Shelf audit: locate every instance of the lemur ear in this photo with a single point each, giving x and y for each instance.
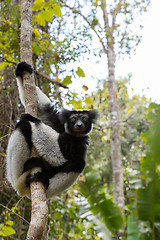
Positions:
(93, 114)
(64, 115)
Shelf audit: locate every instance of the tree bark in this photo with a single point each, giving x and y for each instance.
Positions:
(26, 56)
(114, 113)
(38, 196)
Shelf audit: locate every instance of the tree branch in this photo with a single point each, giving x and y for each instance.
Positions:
(14, 213)
(51, 80)
(115, 13)
(74, 10)
(39, 73)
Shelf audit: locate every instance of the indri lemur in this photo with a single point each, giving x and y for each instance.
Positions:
(60, 138)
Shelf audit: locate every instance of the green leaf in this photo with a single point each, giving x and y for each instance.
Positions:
(80, 72)
(148, 202)
(132, 229)
(56, 9)
(10, 223)
(39, 18)
(38, 4)
(36, 48)
(88, 101)
(77, 104)
(67, 80)
(6, 230)
(36, 32)
(99, 204)
(3, 65)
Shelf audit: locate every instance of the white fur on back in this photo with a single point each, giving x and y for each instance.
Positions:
(17, 155)
(45, 140)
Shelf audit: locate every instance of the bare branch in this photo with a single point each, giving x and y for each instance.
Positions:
(74, 10)
(51, 80)
(14, 213)
(115, 13)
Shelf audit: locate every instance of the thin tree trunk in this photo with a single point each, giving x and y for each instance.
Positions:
(114, 114)
(38, 196)
(115, 133)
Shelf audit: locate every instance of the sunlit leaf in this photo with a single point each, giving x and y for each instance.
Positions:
(6, 231)
(56, 9)
(67, 80)
(80, 72)
(36, 32)
(38, 4)
(88, 101)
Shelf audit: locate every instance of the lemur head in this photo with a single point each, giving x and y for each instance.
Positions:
(78, 122)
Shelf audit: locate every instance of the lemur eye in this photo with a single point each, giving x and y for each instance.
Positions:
(84, 119)
(73, 119)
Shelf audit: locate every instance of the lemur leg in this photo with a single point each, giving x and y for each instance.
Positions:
(18, 152)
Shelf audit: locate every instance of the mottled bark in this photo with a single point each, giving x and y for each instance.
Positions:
(38, 196)
(39, 211)
(114, 112)
(26, 55)
(115, 133)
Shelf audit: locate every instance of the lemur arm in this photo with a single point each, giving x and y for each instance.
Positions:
(42, 98)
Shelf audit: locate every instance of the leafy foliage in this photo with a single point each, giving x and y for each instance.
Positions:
(99, 203)
(45, 10)
(148, 196)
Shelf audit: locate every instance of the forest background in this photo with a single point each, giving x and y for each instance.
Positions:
(63, 37)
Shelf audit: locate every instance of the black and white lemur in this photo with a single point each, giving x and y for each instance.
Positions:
(60, 138)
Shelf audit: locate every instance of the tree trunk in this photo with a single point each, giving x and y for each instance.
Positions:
(26, 56)
(38, 196)
(115, 133)
(114, 113)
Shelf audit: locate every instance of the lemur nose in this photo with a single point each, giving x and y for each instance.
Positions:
(79, 124)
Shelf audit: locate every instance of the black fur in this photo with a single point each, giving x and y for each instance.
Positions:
(25, 128)
(21, 67)
(29, 117)
(38, 177)
(51, 118)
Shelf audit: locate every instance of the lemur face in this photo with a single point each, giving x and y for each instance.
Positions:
(78, 122)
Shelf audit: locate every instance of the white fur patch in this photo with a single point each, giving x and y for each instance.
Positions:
(60, 182)
(21, 90)
(42, 98)
(17, 154)
(45, 140)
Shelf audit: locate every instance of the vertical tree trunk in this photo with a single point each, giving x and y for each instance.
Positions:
(38, 196)
(115, 133)
(114, 113)
(26, 56)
